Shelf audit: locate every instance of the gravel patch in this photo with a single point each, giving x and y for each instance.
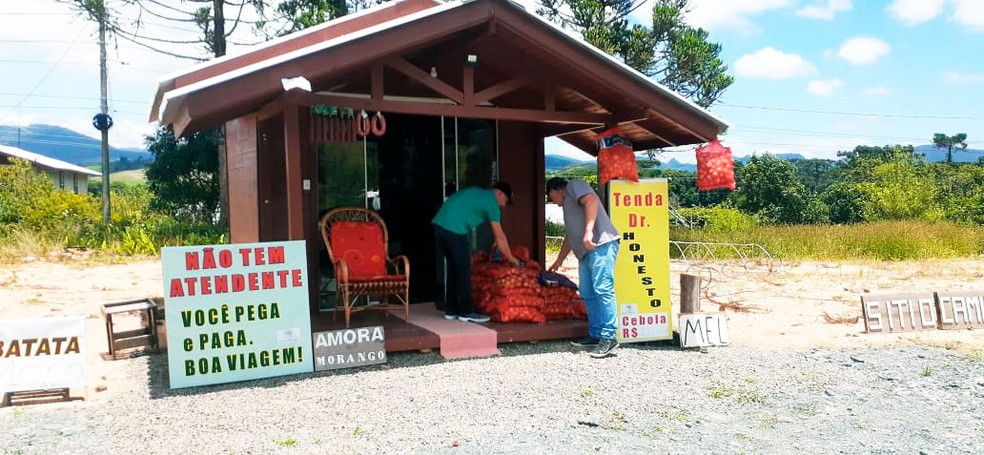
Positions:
(543, 398)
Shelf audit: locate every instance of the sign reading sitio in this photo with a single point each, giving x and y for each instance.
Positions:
(236, 312)
(348, 348)
(42, 353)
(923, 311)
(639, 210)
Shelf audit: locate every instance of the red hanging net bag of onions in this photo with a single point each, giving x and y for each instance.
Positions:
(715, 167)
(616, 159)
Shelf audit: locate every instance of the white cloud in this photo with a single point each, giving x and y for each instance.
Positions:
(879, 90)
(824, 88)
(555, 146)
(958, 77)
(969, 13)
(734, 14)
(770, 63)
(826, 10)
(862, 50)
(915, 12)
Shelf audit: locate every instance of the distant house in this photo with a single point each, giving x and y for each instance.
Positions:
(66, 176)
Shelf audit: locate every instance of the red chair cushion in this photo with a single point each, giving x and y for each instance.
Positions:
(360, 244)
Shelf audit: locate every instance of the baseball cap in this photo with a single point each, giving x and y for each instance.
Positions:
(505, 188)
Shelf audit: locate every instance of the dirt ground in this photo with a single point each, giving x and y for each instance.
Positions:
(769, 306)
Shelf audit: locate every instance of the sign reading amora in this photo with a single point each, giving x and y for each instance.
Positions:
(642, 271)
(236, 312)
(42, 353)
(348, 348)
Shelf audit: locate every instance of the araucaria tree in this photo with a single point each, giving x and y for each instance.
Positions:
(957, 141)
(675, 54)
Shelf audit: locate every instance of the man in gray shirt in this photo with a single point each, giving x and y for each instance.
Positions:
(590, 233)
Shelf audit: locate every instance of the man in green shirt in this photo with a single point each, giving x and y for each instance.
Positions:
(462, 212)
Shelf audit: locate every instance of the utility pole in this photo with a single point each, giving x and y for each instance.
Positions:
(104, 109)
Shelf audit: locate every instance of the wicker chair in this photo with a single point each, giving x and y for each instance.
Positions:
(356, 240)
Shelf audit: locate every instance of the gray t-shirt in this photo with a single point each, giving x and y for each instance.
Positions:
(574, 221)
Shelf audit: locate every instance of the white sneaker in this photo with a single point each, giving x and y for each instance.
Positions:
(474, 317)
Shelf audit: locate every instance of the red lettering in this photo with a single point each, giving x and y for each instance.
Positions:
(191, 260)
(254, 283)
(259, 256)
(209, 262)
(296, 275)
(176, 289)
(267, 280)
(206, 285)
(244, 252)
(221, 284)
(282, 274)
(276, 255)
(191, 285)
(238, 283)
(225, 258)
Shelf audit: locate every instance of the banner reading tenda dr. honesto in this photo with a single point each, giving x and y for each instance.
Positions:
(236, 312)
(640, 212)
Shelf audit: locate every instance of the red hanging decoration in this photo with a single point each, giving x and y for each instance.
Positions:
(715, 167)
(616, 159)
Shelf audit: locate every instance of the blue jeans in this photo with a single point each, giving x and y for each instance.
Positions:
(597, 286)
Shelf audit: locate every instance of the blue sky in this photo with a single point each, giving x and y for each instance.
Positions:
(811, 76)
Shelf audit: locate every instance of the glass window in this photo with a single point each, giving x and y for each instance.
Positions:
(344, 179)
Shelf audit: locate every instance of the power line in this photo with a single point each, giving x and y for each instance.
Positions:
(68, 97)
(46, 74)
(858, 114)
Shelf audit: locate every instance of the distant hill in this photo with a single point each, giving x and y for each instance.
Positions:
(66, 145)
(554, 163)
(939, 155)
(557, 163)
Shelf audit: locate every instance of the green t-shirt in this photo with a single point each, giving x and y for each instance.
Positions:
(467, 209)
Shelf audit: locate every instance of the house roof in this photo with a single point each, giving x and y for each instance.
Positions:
(578, 76)
(44, 161)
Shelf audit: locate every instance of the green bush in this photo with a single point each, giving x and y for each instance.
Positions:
(886, 240)
(555, 229)
(718, 219)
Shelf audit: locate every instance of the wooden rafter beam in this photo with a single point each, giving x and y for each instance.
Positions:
(468, 85)
(425, 78)
(654, 113)
(376, 81)
(363, 102)
(498, 90)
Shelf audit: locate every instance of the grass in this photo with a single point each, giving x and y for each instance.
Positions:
(887, 240)
(131, 176)
(977, 355)
(743, 396)
(286, 442)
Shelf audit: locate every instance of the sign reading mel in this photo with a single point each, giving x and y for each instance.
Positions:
(923, 311)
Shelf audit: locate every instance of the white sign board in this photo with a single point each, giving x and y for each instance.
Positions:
(42, 353)
(348, 348)
(236, 312)
(703, 329)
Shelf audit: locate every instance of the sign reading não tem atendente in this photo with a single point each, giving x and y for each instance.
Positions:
(236, 312)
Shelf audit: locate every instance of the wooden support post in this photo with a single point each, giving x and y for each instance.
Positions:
(689, 294)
